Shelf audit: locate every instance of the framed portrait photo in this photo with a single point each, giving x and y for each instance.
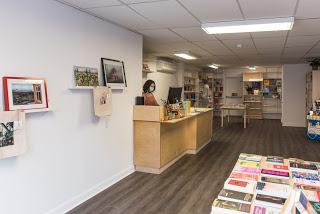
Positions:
(113, 73)
(23, 93)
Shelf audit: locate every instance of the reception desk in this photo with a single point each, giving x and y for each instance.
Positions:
(158, 144)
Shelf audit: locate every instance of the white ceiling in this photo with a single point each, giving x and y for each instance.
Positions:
(174, 25)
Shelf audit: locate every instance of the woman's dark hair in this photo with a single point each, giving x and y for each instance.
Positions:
(205, 81)
(147, 84)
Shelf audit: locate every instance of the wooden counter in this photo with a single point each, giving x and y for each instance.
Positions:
(158, 144)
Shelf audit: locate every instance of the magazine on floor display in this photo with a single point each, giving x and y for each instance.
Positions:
(304, 178)
(271, 166)
(275, 159)
(272, 189)
(229, 207)
(244, 176)
(275, 180)
(250, 157)
(265, 210)
(242, 163)
(235, 196)
(270, 201)
(249, 170)
(299, 167)
(240, 185)
(312, 193)
(274, 174)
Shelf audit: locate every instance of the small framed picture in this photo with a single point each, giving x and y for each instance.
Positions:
(113, 73)
(24, 93)
(85, 77)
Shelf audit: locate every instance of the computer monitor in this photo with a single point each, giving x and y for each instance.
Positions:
(174, 95)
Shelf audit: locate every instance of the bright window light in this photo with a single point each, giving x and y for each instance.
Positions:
(214, 66)
(252, 68)
(257, 25)
(185, 55)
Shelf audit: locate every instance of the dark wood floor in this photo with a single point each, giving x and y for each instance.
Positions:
(194, 181)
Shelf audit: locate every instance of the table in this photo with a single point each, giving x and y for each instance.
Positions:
(238, 107)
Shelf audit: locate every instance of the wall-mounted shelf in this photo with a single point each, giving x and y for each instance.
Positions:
(28, 111)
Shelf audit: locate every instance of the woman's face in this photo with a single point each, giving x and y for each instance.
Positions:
(152, 87)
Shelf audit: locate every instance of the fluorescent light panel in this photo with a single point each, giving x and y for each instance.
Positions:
(252, 68)
(214, 66)
(185, 55)
(257, 25)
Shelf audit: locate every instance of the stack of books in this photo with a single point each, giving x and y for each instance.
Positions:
(270, 185)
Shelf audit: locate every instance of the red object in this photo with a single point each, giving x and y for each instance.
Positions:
(244, 176)
(6, 92)
(280, 167)
(273, 172)
(238, 183)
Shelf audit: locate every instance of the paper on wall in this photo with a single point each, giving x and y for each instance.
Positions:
(12, 134)
(102, 97)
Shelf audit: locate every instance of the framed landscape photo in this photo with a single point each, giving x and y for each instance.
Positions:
(23, 93)
(85, 76)
(113, 73)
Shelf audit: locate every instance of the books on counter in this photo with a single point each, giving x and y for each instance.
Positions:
(235, 196)
(272, 189)
(269, 201)
(275, 173)
(229, 207)
(240, 185)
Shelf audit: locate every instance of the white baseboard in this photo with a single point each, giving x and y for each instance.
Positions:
(293, 124)
(84, 196)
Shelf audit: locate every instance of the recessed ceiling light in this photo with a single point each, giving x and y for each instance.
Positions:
(214, 66)
(185, 55)
(256, 25)
(252, 68)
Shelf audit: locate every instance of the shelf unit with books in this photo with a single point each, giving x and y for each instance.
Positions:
(191, 88)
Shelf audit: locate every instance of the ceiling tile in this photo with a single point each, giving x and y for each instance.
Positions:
(161, 35)
(166, 13)
(305, 27)
(84, 4)
(210, 45)
(245, 51)
(275, 50)
(254, 9)
(138, 1)
(270, 42)
(246, 44)
(269, 34)
(213, 10)
(124, 16)
(228, 36)
(308, 9)
(309, 41)
(295, 51)
(194, 34)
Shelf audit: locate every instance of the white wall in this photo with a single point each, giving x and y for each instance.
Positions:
(293, 94)
(72, 154)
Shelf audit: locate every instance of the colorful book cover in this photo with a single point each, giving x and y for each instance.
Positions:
(249, 164)
(244, 176)
(315, 206)
(272, 188)
(238, 183)
(275, 180)
(234, 195)
(274, 173)
(275, 159)
(270, 199)
(303, 166)
(250, 157)
(250, 170)
(265, 210)
(305, 178)
(229, 205)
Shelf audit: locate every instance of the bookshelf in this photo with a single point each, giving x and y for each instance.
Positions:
(312, 88)
(191, 88)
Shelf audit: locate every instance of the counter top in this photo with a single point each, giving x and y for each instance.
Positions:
(198, 111)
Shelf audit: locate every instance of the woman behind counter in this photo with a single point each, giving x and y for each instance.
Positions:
(148, 88)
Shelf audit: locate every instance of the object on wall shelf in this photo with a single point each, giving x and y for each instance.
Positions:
(25, 93)
(85, 77)
(114, 73)
(12, 134)
(102, 97)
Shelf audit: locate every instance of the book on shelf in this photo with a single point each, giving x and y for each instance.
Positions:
(244, 176)
(235, 196)
(274, 173)
(240, 185)
(275, 159)
(257, 209)
(270, 201)
(250, 157)
(272, 189)
(229, 207)
(275, 180)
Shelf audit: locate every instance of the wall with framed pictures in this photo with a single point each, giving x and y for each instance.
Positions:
(65, 143)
